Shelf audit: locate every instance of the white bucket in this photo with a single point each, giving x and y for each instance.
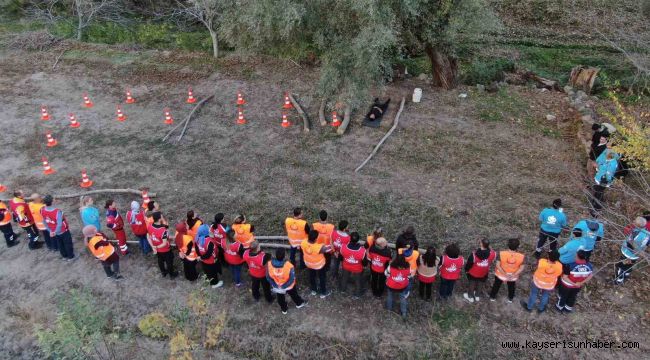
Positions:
(417, 95)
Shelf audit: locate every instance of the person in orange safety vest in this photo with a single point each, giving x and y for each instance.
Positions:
(35, 208)
(244, 232)
(314, 255)
(544, 280)
(5, 225)
(297, 231)
(24, 218)
(103, 251)
(281, 274)
(508, 269)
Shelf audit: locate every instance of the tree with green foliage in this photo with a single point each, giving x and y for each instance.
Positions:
(208, 13)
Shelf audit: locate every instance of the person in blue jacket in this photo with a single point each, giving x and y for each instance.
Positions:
(570, 249)
(89, 213)
(632, 247)
(592, 232)
(553, 221)
(607, 164)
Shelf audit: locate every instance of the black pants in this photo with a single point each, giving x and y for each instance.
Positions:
(356, 279)
(377, 283)
(568, 297)
(446, 288)
(598, 197)
(111, 268)
(64, 242)
(425, 290)
(49, 241)
(166, 263)
(624, 268)
(32, 235)
(543, 236)
(292, 257)
(266, 288)
(295, 297)
(8, 232)
(321, 274)
(497, 285)
(189, 269)
(212, 272)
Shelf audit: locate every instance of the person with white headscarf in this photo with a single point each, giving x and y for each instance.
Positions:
(135, 217)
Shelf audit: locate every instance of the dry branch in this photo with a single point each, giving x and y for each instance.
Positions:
(321, 113)
(301, 112)
(395, 122)
(189, 117)
(184, 122)
(58, 58)
(541, 82)
(346, 121)
(100, 191)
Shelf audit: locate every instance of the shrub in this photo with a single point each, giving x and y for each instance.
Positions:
(154, 35)
(155, 325)
(193, 41)
(481, 71)
(108, 33)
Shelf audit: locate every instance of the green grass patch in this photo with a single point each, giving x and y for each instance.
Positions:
(500, 106)
(485, 71)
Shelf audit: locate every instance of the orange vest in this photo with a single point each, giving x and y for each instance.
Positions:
(183, 248)
(192, 231)
(324, 233)
(281, 275)
(103, 252)
(547, 273)
(35, 209)
(510, 262)
(295, 231)
(312, 256)
(6, 218)
(412, 260)
(243, 234)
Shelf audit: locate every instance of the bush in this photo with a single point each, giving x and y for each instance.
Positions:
(108, 33)
(193, 41)
(155, 325)
(155, 35)
(483, 71)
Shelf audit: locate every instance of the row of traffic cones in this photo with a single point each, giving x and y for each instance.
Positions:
(241, 120)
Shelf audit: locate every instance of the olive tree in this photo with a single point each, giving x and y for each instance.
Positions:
(208, 13)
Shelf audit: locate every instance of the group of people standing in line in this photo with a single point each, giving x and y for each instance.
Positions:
(322, 247)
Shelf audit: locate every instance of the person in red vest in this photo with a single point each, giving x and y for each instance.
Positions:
(159, 241)
(103, 251)
(57, 225)
(281, 274)
(207, 248)
(378, 255)
(397, 282)
(115, 222)
(232, 254)
(138, 224)
(508, 269)
(22, 215)
(427, 269)
(218, 233)
(353, 257)
(478, 269)
(340, 237)
(186, 251)
(314, 256)
(451, 265)
(5, 225)
(256, 259)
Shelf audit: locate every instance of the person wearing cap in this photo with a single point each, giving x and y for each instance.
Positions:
(570, 249)
(35, 208)
(592, 232)
(552, 221)
(257, 260)
(379, 255)
(57, 225)
(281, 274)
(138, 224)
(5, 225)
(103, 251)
(24, 218)
(633, 246)
(314, 257)
(575, 275)
(186, 251)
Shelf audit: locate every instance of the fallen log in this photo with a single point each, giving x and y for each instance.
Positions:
(541, 82)
(189, 117)
(346, 121)
(395, 122)
(321, 113)
(301, 112)
(100, 191)
(184, 122)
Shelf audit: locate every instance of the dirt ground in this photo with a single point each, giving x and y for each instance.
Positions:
(445, 170)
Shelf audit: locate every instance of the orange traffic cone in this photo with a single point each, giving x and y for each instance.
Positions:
(51, 141)
(145, 198)
(85, 181)
(2, 188)
(73, 121)
(87, 102)
(190, 96)
(47, 169)
(287, 102)
(335, 119)
(240, 116)
(240, 99)
(129, 98)
(285, 121)
(120, 115)
(168, 117)
(44, 115)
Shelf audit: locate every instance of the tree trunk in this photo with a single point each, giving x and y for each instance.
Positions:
(215, 43)
(79, 19)
(444, 68)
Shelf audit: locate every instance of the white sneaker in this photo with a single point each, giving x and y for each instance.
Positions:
(407, 295)
(466, 297)
(217, 285)
(313, 293)
(509, 301)
(284, 312)
(493, 299)
(476, 298)
(323, 296)
(304, 302)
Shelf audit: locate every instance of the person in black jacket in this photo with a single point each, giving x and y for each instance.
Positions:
(407, 237)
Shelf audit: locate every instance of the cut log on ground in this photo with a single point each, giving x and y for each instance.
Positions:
(346, 121)
(185, 121)
(395, 123)
(58, 58)
(100, 191)
(301, 112)
(583, 78)
(321, 113)
(541, 82)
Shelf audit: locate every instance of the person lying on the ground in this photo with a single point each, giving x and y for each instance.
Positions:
(377, 110)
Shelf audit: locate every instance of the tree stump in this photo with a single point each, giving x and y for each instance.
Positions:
(583, 78)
